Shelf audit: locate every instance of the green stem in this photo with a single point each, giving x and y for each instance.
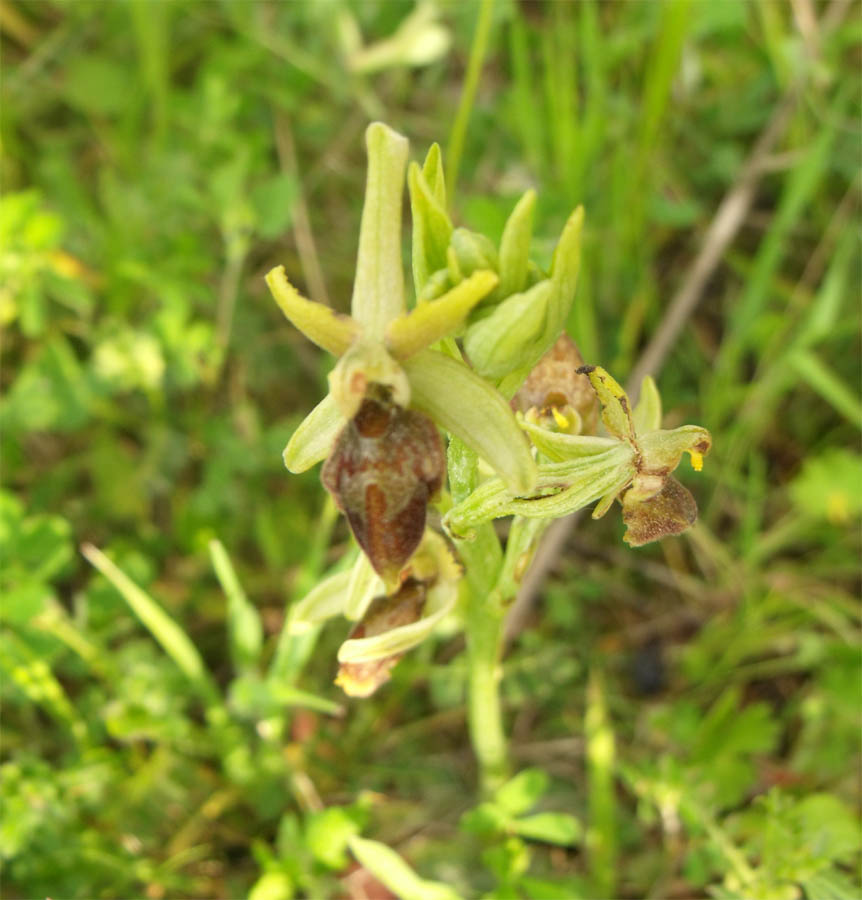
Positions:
(468, 95)
(484, 644)
(484, 612)
(484, 620)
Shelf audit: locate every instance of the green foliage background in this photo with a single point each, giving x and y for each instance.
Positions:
(693, 708)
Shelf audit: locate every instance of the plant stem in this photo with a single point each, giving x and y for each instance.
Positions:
(484, 613)
(484, 643)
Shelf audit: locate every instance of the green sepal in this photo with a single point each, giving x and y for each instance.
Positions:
(435, 286)
(378, 287)
(312, 441)
(432, 228)
(515, 246)
(647, 412)
(514, 335)
(566, 263)
(558, 446)
(432, 170)
(468, 407)
(561, 488)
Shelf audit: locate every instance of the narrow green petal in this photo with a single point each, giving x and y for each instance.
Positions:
(515, 246)
(324, 326)
(313, 440)
(561, 489)
(616, 407)
(378, 290)
(647, 413)
(430, 321)
(468, 407)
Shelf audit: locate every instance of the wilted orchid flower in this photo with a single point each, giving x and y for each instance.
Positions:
(633, 465)
(387, 625)
(555, 395)
(384, 352)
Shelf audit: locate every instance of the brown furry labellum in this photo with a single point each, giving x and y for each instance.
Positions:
(386, 465)
(385, 613)
(671, 510)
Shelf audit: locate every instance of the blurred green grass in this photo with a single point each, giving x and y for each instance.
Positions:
(157, 159)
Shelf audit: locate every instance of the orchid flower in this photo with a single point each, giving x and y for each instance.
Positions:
(633, 464)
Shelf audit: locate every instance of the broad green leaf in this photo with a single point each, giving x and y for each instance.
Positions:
(323, 326)
(522, 792)
(327, 834)
(468, 407)
(391, 870)
(550, 827)
(378, 288)
(313, 440)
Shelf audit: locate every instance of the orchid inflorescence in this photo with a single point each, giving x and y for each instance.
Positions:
(482, 356)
